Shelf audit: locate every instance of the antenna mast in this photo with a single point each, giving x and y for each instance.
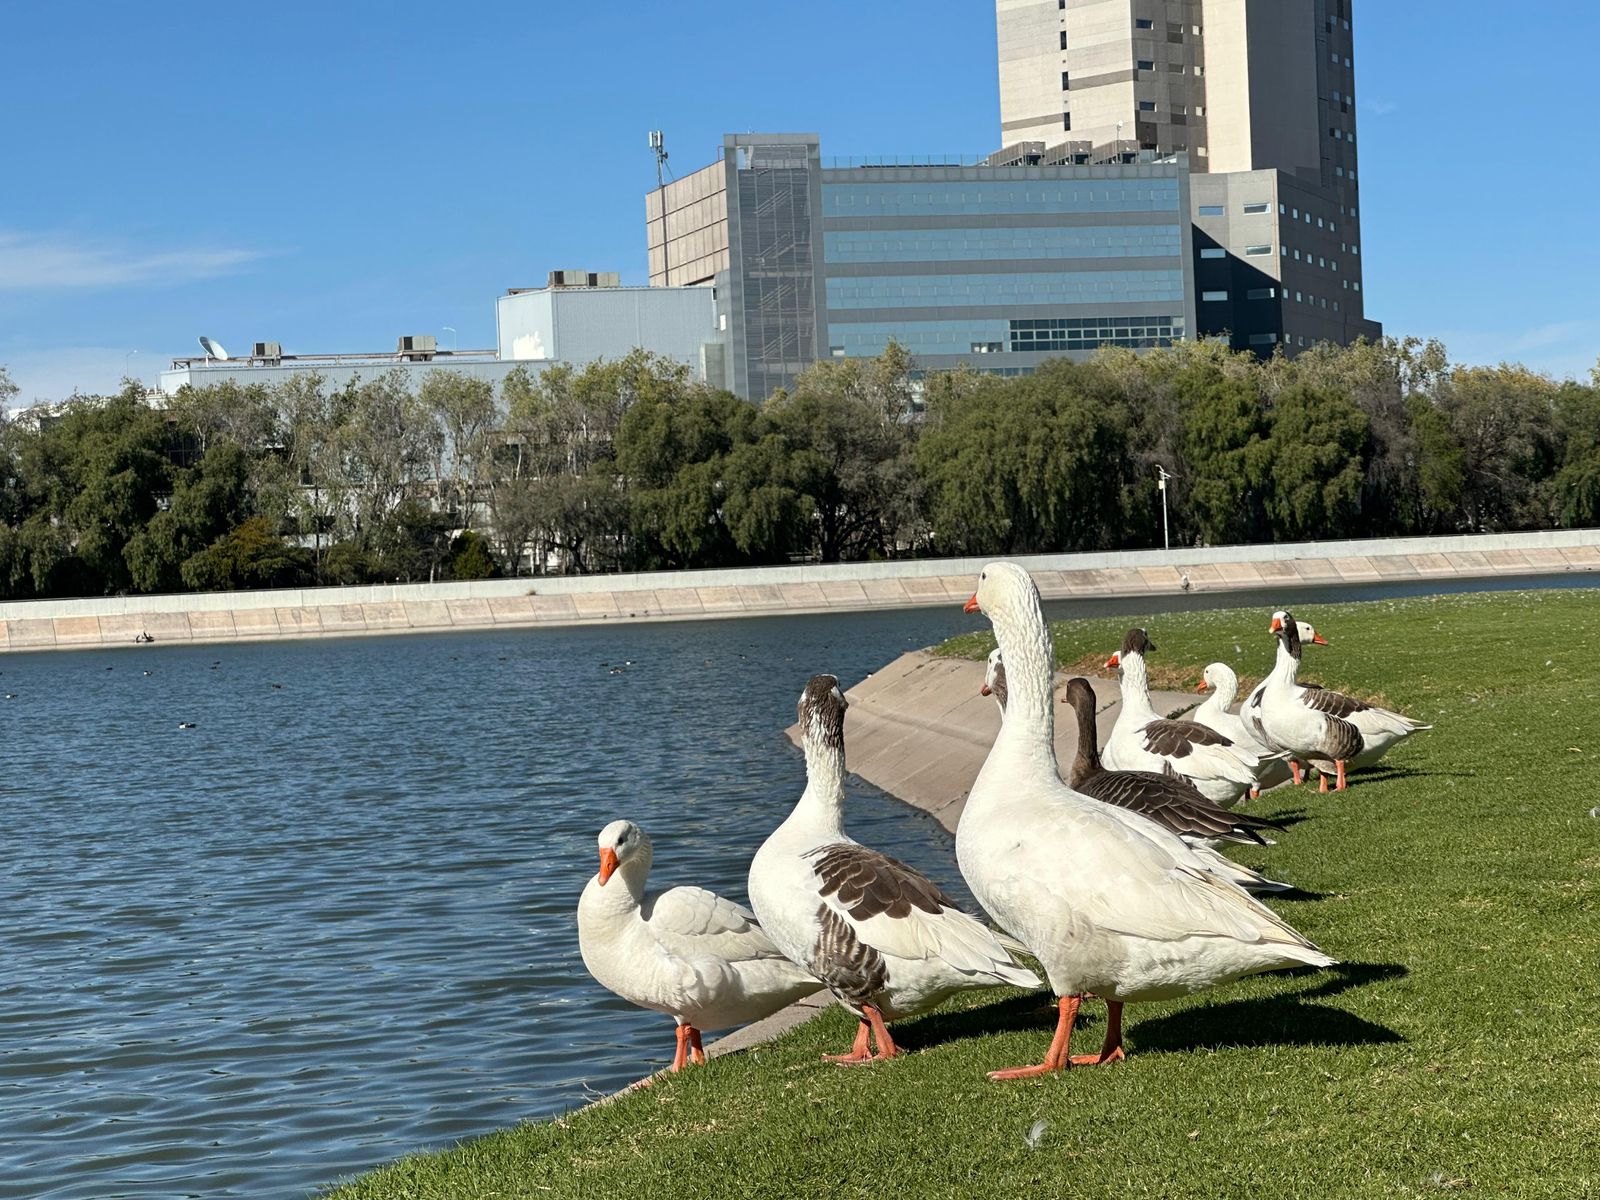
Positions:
(658, 146)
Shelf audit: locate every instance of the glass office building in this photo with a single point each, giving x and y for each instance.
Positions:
(995, 267)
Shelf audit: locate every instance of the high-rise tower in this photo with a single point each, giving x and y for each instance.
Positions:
(1259, 93)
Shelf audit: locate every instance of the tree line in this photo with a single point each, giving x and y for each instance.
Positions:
(633, 465)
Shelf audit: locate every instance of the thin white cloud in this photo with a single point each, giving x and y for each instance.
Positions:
(1382, 108)
(55, 374)
(1564, 349)
(39, 261)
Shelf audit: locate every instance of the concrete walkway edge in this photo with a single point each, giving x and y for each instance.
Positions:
(556, 601)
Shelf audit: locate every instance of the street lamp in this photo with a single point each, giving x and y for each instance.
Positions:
(125, 359)
(451, 330)
(1162, 475)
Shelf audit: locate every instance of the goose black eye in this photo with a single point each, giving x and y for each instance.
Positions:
(982, 575)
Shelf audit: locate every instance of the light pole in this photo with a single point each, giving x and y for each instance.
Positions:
(451, 330)
(125, 359)
(1162, 475)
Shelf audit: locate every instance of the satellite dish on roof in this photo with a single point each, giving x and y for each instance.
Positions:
(213, 349)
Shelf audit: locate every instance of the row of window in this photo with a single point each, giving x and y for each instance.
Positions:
(1258, 207)
(1000, 335)
(1221, 297)
(972, 245)
(1055, 334)
(1250, 251)
(957, 198)
(1268, 339)
(946, 291)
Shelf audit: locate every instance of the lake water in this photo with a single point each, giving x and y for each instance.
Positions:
(333, 923)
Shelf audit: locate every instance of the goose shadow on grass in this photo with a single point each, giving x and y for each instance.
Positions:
(1290, 1020)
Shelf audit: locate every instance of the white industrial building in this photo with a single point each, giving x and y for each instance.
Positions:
(579, 317)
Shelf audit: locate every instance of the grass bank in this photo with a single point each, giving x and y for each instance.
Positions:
(1455, 1052)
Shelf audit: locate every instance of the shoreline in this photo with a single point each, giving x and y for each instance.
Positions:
(566, 601)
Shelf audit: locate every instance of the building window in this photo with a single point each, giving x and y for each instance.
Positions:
(1294, 214)
(1263, 339)
(1063, 39)
(1213, 252)
(1339, 171)
(1257, 251)
(1355, 287)
(1333, 263)
(1284, 251)
(1297, 256)
(1335, 306)
(1211, 297)
(1066, 120)
(1319, 222)
(1355, 249)
(1261, 294)
(1066, 81)
(1252, 209)
(1299, 298)
(1211, 210)
(1144, 64)
(1055, 334)
(1147, 106)
(1146, 23)
(1322, 262)
(1308, 216)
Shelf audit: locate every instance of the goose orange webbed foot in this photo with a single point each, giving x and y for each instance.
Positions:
(859, 1054)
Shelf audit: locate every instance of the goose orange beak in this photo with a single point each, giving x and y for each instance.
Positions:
(1203, 686)
(1277, 625)
(985, 690)
(1115, 660)
(1318, 640)
(971, 606)
(608, 864)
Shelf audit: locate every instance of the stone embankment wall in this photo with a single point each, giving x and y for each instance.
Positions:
(700, 595)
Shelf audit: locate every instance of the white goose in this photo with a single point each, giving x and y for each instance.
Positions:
(686, 952)
(883, 937)
(1309, 722)
(1172, 803)
(1215, 713)
(1106, 908)
(1250, 706)
(1142, 740)
(1381, 729)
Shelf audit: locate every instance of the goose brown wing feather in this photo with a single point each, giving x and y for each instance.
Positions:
(1179, 738)
(1174, 804)
(869, 883)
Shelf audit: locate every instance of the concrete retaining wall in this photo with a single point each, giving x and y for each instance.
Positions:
(698, 595)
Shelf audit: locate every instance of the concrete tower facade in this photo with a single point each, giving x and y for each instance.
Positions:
(1261, 96)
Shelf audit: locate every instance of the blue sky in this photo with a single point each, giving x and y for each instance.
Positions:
(332, 175)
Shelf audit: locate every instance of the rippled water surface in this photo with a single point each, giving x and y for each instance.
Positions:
(333, 923)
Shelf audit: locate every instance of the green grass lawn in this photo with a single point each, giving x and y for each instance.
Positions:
(1455, 1052)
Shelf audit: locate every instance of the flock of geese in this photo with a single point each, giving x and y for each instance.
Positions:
(1110, 879)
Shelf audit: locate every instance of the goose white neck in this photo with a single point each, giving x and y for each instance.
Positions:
(1287, 667)
(1135, 685)
(1030, 672)
(1222, 694)
(624, 891)
(822, 803)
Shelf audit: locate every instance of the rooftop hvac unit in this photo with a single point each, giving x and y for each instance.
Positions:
(585, 279)
(271, 352)
(417, 347)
